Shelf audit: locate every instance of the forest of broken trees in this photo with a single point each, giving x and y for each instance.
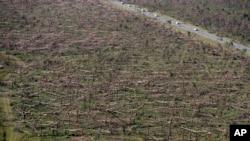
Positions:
(230, 18)
(87, 70)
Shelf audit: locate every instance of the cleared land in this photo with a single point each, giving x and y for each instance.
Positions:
(84, 70)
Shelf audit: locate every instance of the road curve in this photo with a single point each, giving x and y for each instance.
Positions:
(181, 25)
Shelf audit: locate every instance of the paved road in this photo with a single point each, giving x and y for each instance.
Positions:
(180, 25)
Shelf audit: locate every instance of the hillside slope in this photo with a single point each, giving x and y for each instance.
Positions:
(92, 71)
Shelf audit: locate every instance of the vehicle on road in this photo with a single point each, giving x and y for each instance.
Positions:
(196, 29)
(185, 27)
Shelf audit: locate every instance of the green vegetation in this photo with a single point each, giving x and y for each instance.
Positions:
(85, 70)
(8, 65)
(226, 18)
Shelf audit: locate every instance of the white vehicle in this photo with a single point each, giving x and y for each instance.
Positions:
(142, 10)
(156, 15)
(195, 29)
(177, 23)
(129, 5)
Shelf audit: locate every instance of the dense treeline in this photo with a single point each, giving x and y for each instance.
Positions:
(225, 17)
